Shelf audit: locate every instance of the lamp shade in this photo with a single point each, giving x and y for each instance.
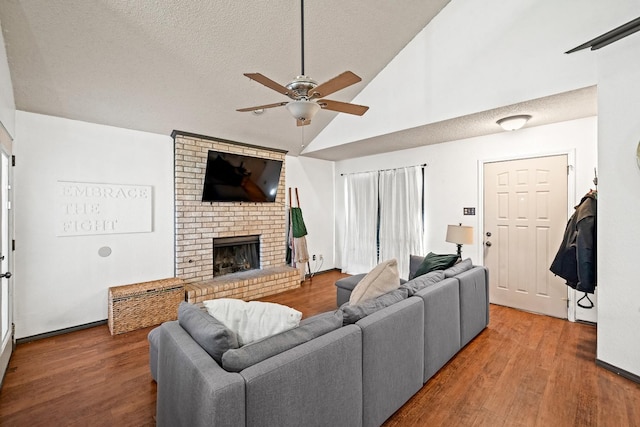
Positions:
(459, 234)
(513, 122)
(303, 109)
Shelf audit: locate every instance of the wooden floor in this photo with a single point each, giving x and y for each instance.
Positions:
(523, 370)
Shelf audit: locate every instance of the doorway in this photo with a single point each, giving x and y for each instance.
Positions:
(525, 214)
(6, 294)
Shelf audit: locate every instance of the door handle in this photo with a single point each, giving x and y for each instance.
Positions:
(488, 243)
(6, 275)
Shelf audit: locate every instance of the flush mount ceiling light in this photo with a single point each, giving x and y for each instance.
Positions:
(514, 122)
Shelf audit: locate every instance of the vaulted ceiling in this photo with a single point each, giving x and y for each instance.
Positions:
(161, 65)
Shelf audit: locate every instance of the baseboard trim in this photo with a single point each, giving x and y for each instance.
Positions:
(60, 332)
(625, 374)
(310, 276)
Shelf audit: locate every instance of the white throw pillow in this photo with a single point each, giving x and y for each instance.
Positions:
(382, 279)
(253, 320)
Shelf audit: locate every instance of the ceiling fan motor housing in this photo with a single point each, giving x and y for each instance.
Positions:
(300, 87)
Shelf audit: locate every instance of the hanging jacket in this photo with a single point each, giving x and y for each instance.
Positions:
(576, 259)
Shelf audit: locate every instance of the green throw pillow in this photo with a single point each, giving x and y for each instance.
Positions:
(436, 262)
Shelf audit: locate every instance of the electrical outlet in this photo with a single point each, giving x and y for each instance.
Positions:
(321, 257)
(313, 258)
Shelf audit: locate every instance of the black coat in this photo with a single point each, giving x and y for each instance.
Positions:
(576, 259)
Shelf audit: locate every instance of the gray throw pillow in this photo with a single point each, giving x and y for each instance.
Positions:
(423, 281)
(206, 330)
(414, 264)
(235, 360)
(458, 268)
(353, 313)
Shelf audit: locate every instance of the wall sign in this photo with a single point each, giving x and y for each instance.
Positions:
(86, 208)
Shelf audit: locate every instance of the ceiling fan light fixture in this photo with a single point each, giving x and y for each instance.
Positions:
(514, 122)
(303, 109)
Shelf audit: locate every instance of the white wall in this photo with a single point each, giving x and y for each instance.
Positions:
(452, 174)
(477, 56)
(314, 179)
(62, 282)
(619, 204)
(7, 104)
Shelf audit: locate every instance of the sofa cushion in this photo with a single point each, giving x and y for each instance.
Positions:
(253, 320)
(423, 281)
(213, 336)
(436, 262)
(458, 268)
(353, 313)
(235, 360)
(382, 279)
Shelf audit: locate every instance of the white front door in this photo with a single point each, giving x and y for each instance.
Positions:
(6, 294)
(525, 213)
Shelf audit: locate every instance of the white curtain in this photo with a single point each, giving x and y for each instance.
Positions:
(401, 230)
(361, 194)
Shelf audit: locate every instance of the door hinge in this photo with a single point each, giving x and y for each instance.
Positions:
(13, 160)
(13, 245)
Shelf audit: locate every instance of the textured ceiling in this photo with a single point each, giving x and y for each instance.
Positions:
(161, 65)
(571, 105)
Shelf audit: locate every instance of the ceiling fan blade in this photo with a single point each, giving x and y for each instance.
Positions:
(268, 83)
(262, 107)
(342, 107)
(335, 84)
(303, 122)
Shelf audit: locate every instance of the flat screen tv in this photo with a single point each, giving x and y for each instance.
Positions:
(238, 178)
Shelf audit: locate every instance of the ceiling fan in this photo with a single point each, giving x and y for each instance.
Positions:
(306, 94)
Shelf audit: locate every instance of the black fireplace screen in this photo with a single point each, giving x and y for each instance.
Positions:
(233, 254)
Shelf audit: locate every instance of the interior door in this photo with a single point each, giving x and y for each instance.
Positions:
(6, 294)
(525, 213)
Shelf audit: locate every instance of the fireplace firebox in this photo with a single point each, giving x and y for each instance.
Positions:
(234, 254)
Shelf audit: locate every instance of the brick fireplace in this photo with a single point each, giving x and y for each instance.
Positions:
(198, 224)
(234, 254)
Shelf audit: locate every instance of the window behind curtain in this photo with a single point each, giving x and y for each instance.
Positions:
(359, 253)
(401, 229)
(384, 218)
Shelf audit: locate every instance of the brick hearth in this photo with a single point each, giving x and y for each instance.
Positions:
(197, 223)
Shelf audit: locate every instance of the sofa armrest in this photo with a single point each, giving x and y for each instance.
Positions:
(193, 390)
(441, 324)
(345, 286)
(474, 303)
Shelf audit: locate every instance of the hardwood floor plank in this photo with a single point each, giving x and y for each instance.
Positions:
(523, 370)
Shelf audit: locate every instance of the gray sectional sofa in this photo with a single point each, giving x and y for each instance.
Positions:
(354, 375)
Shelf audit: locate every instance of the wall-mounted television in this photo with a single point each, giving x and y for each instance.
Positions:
(239, 178)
